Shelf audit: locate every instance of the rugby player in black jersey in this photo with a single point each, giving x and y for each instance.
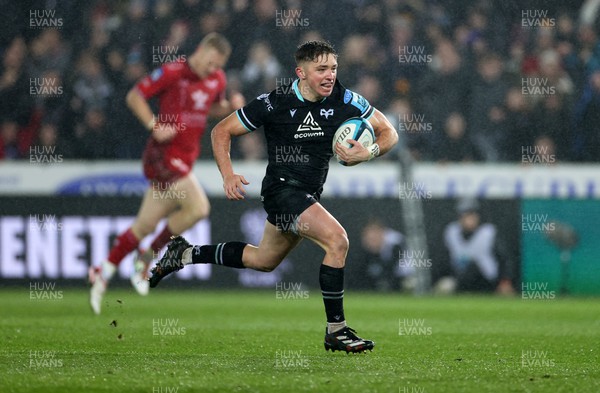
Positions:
(303, 115)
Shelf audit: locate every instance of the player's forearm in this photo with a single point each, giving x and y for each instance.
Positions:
(140, 108)
(386, 134)
(386, 140)
(221, 145)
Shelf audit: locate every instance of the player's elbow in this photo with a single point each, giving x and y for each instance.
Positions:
(388, 137)
(223, 130)
(393, 136)
(218, 132)
(130, 98)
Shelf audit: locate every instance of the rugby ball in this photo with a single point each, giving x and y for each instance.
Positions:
(355, 128)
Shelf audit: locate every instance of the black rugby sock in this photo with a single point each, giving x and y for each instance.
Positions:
(332, 288)
(225, 254)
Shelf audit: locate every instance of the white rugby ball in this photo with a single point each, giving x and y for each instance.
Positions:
(355, 128)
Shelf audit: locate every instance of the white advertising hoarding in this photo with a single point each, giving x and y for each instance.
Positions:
(373, 179)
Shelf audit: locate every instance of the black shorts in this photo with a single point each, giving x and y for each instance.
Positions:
(285, 200)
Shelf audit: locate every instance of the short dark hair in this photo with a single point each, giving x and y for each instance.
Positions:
(312, 50)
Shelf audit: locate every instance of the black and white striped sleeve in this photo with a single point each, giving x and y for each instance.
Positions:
(253, 115)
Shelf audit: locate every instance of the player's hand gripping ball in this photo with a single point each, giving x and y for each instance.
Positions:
(355, 128)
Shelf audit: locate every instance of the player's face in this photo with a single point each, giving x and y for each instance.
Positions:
(469, 221)
(207, 60)
(319, 75)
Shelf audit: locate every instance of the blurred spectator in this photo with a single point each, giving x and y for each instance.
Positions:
(370, 88)
(406, 123)
(553, 74)
(475, 255)
(91, 87)
(355, 61)
(255, 21)
(122, 124)
(589, 51)
(382, 247)
(9, 148)
(403, 76)
(444, 88)
(478, 34)
(114, 64)
(393, 114)
(50, 97)
(456, 145)
(15, 98)
(518, 123)
(135, 32)
(486, 113)
(551, 120)
(546, 149)
(49, 51)
(261, 71)
(91, 137)
(177, 35)
(164, 23)
(587, 121)
(49, 147)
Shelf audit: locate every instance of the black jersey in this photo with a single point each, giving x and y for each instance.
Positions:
(299, 133)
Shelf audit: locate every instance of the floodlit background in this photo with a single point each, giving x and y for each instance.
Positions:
(493, 101)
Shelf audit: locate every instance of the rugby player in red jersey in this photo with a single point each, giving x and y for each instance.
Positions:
(188, 92)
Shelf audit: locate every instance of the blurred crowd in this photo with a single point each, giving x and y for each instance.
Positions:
(461, 80)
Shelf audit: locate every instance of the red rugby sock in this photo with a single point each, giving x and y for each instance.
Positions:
(161, 239)
(124, 244)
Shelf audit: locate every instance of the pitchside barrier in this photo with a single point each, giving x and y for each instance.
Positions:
(57, 219)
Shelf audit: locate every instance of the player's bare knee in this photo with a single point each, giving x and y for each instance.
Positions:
(339, 243)
(197, 212)
(202, 212)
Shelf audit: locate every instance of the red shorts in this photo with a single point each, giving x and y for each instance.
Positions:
(161, 166)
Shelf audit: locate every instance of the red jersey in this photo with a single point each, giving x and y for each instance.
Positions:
(184, 101)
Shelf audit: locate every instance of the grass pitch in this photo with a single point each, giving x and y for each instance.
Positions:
(248, 341)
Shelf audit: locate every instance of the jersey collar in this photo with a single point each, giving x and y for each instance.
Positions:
(297, 91)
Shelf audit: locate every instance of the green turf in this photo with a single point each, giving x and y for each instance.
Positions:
(248, 341)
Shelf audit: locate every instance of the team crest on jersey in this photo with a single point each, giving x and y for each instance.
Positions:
(347, 96)
(326, 113)
(309, 124)
(356, 100)
(156, 74)
(200, 99)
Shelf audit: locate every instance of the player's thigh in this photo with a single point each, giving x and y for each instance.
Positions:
(192, 197)
(273, 247)
(318, 225)
(154, 208)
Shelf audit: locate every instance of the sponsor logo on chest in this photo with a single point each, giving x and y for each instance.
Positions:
(314, 126)
(309, 128)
